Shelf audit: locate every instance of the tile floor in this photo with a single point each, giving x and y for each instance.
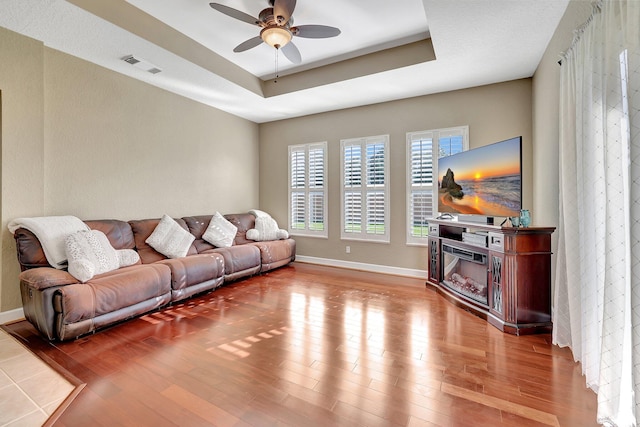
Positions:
(29, 389)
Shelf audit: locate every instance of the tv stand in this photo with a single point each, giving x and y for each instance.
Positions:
(502, 274)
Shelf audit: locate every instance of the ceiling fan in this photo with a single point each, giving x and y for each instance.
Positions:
(277, 31)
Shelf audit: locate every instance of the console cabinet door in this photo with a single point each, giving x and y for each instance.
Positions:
(497, 284)
(434, 260)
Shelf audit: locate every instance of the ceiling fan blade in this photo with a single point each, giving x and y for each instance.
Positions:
(315, 31)
(235, 13)
(292, 53)
(248, 44)
(282, 10)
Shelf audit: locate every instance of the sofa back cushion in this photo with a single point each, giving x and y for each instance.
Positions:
(244, 222)
(197, 226)
(118, 232)
(142, 229)
(31, 255)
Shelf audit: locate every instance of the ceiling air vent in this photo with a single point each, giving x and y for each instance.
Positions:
(142, 64)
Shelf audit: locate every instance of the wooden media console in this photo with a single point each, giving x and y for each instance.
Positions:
(502, 274)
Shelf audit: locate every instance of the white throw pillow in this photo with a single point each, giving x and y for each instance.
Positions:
(220, 232)
(170, 239)
(90, 253)
(266, 228)
(127, 257)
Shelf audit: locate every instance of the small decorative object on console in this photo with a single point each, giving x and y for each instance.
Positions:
(525, 218)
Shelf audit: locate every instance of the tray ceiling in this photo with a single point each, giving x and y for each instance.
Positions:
(386, 51)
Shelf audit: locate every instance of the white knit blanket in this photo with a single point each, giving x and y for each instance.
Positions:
(259, 214)
(51, 231)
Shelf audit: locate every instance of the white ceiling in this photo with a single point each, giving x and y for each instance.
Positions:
(476, 42)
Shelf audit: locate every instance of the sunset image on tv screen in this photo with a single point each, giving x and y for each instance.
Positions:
(483, 181)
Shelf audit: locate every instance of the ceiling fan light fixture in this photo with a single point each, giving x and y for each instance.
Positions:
(276, 36)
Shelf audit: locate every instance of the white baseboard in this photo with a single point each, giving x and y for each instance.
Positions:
(11, 316)
(374, 268)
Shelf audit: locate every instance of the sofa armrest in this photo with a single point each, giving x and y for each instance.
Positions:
(46, 277)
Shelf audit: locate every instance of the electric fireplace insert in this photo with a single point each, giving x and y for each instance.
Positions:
(465, 272)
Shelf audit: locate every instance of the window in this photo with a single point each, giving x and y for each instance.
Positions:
(365, 188)
(307, 189)
(422, 148)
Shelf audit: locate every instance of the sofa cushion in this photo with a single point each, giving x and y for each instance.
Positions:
(220, 231)
(142, 229)
(244, 222)
(112, 291)
(276, 253)
(118, 232)
(194, 274)
(239, 259)
(197, 225)
(170, 239)
(90, 253)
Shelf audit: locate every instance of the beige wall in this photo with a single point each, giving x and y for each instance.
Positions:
(81, 140)
(546, 101)
(22, 138)
(493, 113)
(119, 148)
(546, 122)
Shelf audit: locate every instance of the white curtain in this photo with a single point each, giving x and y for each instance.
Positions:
(597, 284)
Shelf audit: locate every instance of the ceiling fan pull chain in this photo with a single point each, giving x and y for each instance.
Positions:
(275, 79)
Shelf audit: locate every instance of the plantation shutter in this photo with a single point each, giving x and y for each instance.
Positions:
(307, 195)
(353, 189)
(298, 193)
(376, 199)
(421, 195)
(365, 188)
(316, 188)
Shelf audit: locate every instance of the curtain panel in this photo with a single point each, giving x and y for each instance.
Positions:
(597, 285)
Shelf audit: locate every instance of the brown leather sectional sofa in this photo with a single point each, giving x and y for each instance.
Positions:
(62, 308)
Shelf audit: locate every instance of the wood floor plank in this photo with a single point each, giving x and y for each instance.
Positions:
(313, 397)
(501, 404)
(200, 407)
(308, 345)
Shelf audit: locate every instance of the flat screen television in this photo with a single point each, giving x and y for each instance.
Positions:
(484, 182)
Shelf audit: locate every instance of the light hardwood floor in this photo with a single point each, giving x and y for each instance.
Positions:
(308, 345)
